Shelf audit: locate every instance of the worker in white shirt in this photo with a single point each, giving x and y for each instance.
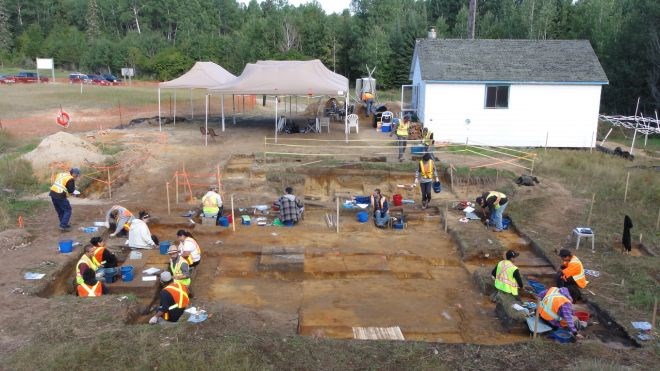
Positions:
(139, 235)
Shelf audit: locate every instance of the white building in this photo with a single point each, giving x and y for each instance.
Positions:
(521, 93)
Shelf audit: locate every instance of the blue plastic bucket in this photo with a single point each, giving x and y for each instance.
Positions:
(126, 273)
(223, 221)
(66, 246)
(362, 216)
(386, 128)
(562, 336)
(505, 223)
(164, 246)
(110, 275)
(417, 150)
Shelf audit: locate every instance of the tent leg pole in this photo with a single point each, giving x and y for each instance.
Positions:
(222, 104)
(275, 119)
(160, 125)
(206, 120)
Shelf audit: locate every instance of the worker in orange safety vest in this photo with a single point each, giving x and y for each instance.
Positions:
(90, 286)
(571, 275)
(173, 300)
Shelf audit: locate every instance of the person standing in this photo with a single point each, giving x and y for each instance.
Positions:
(556, 308)
(507, 275)
(368, 99)
(428, 142)
(495, 203)
(212, 204)
(90, 286)
(291, 208)
(122, 218)
(425, 174)
(64, 184)
(625, 239)
(173, 300)
(571, 275)
(381, 208)
(189, 248)
(139, 235)
(401, 129)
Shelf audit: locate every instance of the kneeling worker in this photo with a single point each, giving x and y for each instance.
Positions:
(291, 208)
(571, 274)
(90, 286)
(212, 204)
(102, 256)
(85, 263)
(173, 300)
(179, 267)
(122, 219)
(556, 308)
(507, 275)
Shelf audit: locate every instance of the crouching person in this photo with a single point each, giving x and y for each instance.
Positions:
(381, 209)
(173, 300)
(90, 286)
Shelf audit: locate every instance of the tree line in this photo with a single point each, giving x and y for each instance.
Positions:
(163, 38)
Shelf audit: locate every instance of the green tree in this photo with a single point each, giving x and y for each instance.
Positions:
(31, 42)
(6, 40)
(93, 30)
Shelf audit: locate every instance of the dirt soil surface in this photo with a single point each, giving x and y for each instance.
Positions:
(306, 279)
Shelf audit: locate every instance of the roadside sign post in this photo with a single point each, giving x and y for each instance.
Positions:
(45, 64)
(127, 72)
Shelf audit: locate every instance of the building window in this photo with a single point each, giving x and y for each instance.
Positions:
(497, 96)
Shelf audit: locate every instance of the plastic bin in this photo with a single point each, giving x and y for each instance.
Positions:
(66, 246)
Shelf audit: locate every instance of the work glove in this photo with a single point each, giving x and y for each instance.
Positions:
(153, 320)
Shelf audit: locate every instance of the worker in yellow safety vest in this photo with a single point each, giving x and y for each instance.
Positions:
(428, 141)
(85, 263)
(173, 300)
(571, 275)
(493, 204)
(178, 266)
(507, 275)
(212, 204)
(425, 174)
(368, 99)
(122, 218)
(64, 184)
(401, 129)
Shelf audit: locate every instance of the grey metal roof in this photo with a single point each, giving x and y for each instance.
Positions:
(543, 61)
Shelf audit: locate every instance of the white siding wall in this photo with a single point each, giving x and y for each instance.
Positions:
(567, 114)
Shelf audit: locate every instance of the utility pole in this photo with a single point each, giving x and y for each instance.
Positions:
(472, 19)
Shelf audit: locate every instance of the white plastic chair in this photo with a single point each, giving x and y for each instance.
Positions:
(352, 123)
(324, 121)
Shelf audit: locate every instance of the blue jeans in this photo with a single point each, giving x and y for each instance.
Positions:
(381, 221)
(401, 141)
(370, 104)
(496, 216)
(63, 209)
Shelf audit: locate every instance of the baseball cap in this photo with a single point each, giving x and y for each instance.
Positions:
(74, 171)
(165, 276)
(511, 254)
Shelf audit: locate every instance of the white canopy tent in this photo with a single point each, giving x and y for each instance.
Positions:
(202, 75)
(286, 78)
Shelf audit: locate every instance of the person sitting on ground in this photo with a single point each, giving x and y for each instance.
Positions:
(90, 286)
(122, 219)
(212, 204)
(425, 174)
(139, 236)
(102, 255)
(507, 275)
(178, 266)
(189, 248)
(291, 208)
(495, 203)
(173, 300)
(571, 275)
(556, 309)
(381, 209)
(85, 263)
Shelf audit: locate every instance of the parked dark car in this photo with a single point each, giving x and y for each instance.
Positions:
(99, 80)
(6, 79)
(29, 77)
(79, 78)
(111, 79)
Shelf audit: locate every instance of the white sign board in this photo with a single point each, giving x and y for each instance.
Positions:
(127, 72)
(45, 63)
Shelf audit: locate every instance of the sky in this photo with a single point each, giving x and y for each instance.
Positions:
(330, 6)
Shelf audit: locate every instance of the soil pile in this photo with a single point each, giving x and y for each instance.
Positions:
(13, 239)
(63, 147)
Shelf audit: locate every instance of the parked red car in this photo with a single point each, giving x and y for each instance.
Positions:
(29, 77)
(99, 80)
(6, 79)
